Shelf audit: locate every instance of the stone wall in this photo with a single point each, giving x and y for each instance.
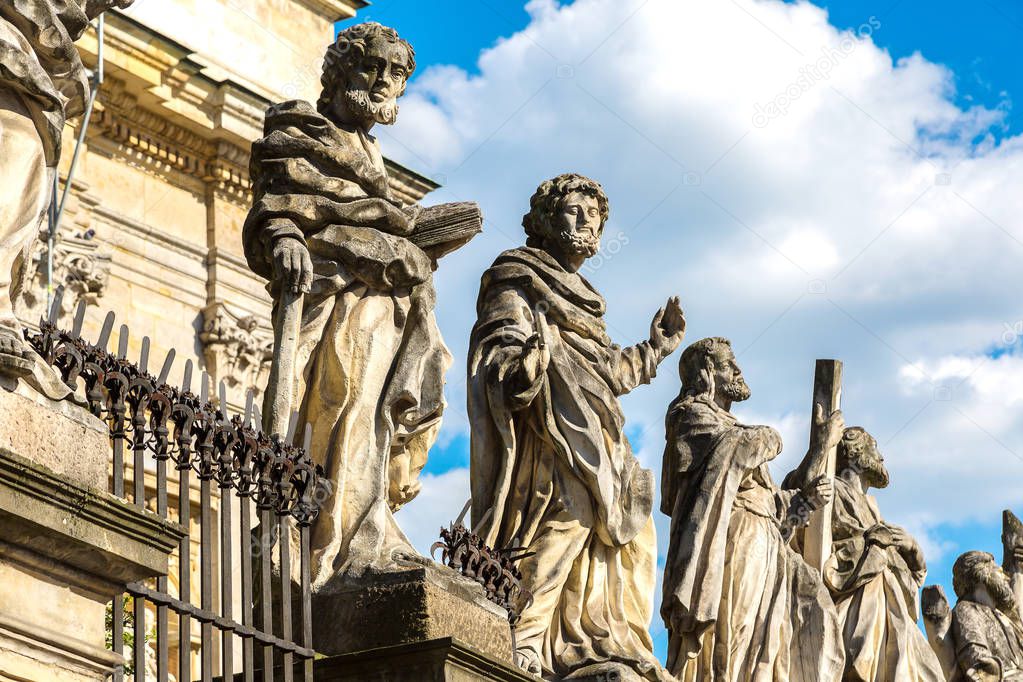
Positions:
(152, 229)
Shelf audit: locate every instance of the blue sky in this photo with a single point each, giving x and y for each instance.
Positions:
(877, 219)
(979, 41)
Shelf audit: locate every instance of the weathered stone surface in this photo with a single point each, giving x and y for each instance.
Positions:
(874, 569)
(439, 660)
(552, 470)
(414, 605)
(65, 548)
(357, 351)
(43, 82)
(982, 637)
(58, 435)
(605, 672)
(764, 608)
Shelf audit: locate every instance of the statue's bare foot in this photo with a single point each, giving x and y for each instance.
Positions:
(12, 354)
(529, 660)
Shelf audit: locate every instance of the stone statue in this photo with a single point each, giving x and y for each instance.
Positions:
(986, 628)
(42, 83)
(875, 572)
(551, 468)
(981, 639)
(369, 361)
(739, 603)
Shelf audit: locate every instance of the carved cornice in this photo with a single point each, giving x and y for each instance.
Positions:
(121, 119)
(335, 10)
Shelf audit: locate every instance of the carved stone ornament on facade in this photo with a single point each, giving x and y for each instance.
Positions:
(81, 264)
(237, 349)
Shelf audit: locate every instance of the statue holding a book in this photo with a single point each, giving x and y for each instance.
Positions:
(358, 352)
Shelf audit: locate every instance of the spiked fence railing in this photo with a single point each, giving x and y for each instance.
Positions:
(148, 417)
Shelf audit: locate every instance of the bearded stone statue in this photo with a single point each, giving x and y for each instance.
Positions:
(874, 573)
(551, 468)
(369, 367)
(987, 633)
(740, 604)
(42, 83)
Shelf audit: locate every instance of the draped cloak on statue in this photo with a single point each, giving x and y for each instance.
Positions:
(876, 593)
(553, 471)
(980, 632)
(42, 83)
(739, 603)
(371, 356)
(39, 62)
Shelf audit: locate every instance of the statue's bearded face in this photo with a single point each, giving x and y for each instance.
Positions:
(864, 455)
(376, 82)
(728, 379)
(577, 225)
(998, 586)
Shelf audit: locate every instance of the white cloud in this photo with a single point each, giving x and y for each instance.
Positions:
(860, 224)
(437, 505)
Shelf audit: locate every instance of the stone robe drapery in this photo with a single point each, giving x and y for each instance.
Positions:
(553, 471)
(877, 596)
(980, 632)
(42, 83)
(372, 358)
(739, 604)
(40, 63)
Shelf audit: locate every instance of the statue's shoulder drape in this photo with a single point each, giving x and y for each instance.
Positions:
(709, 454)
(574, 403)
(310, 175)
(39, 61)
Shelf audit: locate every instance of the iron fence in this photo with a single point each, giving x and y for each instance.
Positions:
(241, 470)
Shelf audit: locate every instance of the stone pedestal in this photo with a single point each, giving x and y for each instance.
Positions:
(438, 660)
(422, 623)
(605, 672)
(421, 603)
(66, 547)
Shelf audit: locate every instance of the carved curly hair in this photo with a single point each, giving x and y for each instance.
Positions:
(346, 52)
(548, 198)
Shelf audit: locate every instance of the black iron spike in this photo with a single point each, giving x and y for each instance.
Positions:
(249, 399)
(165, 370)
(186, 384)
(222, 394)
(308, 440)
(104, 333)
(58, 298)
(144, 355)
(465, 510)
(204, 387)
(292, 426)
(122, 342)
(76, 329)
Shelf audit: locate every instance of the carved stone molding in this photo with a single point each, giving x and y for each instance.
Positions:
(81, 264)
(237, 350)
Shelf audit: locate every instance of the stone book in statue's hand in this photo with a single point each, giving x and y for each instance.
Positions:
(441, 229)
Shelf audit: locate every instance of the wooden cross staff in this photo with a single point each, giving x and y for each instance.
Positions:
(827, 392)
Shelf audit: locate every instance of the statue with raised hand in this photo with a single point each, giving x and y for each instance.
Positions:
(552, 470)
(42, 83)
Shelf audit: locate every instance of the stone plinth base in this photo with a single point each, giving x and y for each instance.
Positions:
(605, 672)
(438, 660)
(422, 603)
(66, 547)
